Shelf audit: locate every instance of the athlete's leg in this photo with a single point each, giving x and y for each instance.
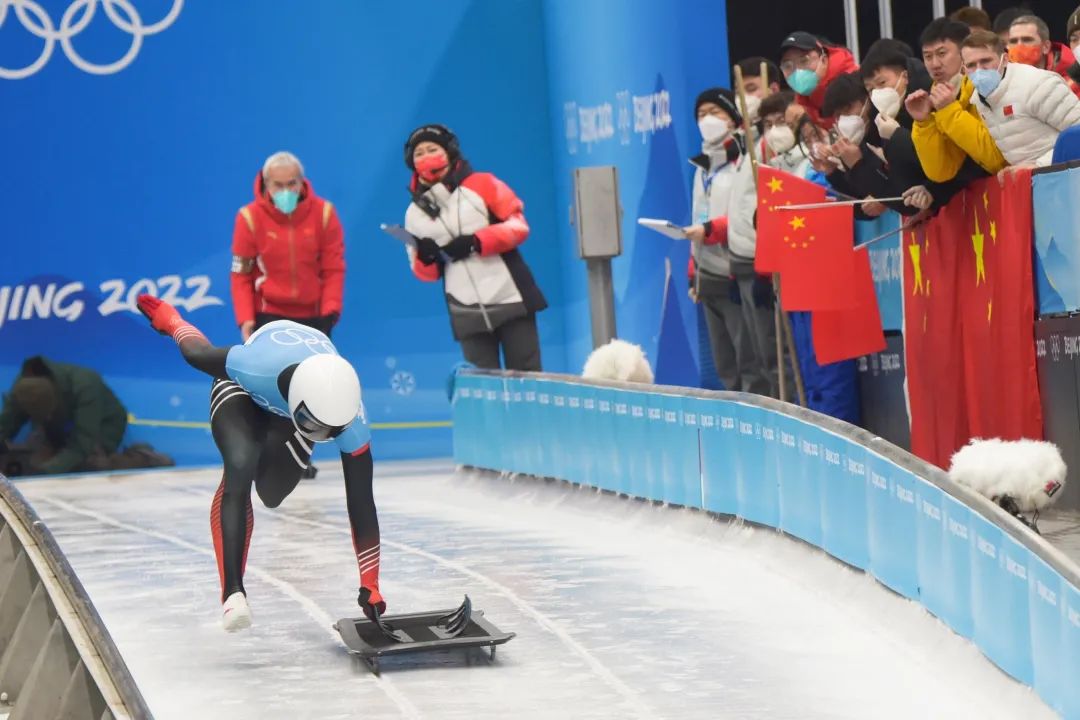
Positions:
(238, 426)
(286, 454)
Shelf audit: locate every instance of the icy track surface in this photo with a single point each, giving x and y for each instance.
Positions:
(621, 609)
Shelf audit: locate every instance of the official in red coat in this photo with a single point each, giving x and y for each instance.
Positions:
(288, 252)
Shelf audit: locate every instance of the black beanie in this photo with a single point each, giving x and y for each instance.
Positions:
(438, 134)
(722, 97)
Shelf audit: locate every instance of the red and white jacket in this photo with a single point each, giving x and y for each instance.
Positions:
(473, 203)
(291, 265)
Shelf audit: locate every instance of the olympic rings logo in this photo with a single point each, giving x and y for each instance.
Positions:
(121, 13)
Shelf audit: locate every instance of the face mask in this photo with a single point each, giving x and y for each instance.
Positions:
(956, 79)
(886, 100)
(985, 80)
(285, 200)
(430, 167)
(713, 129)
(753, 104)
(780, 139)
(1075, 49)
(1026, 54)
(853, 127)
(803, 81)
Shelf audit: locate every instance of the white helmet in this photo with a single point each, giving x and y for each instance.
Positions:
(324, 396)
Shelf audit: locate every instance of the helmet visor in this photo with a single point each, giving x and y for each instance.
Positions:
(312, 428)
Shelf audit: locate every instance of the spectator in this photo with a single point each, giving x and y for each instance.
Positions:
(468, 227)
(710, 264)
(809, 65)
(1023, 107)
(862, 170)
(1004, 19)
(1030, 44)
(831, 389)
(949, 132)
(890, 75)
(288, 252)
(755, 87)
(786, 150)
(1072, 32)
(76, 421)
(975, 18)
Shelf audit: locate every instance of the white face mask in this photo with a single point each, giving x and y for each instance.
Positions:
(886, 100)
(780, 139)
(713, 129)
(852, 127)
(753, 104)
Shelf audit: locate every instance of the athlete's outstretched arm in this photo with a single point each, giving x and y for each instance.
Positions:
(194, 346)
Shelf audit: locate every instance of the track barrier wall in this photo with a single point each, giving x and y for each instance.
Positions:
(835, 486)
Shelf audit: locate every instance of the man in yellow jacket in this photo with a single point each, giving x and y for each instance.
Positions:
(948, 129)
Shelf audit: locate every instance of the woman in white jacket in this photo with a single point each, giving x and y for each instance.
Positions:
(468, 226)
(1024, 108)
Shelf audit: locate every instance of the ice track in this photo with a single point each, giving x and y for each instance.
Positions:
(622, 609)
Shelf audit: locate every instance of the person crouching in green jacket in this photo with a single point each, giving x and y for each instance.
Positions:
(77, 422)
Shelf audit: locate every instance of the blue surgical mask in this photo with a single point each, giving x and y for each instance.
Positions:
(985, 80)
(285, 200)
(803, 81)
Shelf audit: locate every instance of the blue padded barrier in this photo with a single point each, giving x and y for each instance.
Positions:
(832, 485)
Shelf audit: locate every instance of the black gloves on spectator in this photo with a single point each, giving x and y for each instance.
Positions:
(462, 247)
(427, 250)
(763, 292)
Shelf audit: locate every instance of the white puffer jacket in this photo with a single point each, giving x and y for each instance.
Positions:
(1026, 112)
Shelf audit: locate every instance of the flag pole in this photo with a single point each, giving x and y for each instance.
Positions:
(782, 324)
(837, 203)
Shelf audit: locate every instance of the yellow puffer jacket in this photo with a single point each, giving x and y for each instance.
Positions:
(948, 136)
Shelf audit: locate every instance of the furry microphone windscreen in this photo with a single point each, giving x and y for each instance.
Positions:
(618, 360)
(1032, 472)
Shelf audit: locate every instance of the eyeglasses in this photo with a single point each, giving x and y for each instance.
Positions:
(803, 63)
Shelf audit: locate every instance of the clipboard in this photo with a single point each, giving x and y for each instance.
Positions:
(664, 227)
(399, 233)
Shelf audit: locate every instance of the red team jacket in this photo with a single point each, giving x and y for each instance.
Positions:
(291, 265)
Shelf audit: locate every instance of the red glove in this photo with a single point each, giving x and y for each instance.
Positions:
(163, 317)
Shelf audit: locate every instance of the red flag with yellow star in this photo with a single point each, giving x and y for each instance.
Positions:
(817, 265)
(777, 188)
(932, 340)
(969, 314)
(845, 334)
(997, 304)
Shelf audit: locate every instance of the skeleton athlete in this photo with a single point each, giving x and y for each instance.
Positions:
(272, 398)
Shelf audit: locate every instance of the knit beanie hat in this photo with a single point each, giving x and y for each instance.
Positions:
(722, 97)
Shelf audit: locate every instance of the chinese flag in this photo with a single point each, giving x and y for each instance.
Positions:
(817, 267)
(997, 307)
(776, 188)
(845, 334)
(932, 340)
(969, 321)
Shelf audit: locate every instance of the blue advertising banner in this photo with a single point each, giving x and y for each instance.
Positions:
(131, 140)
(886, 264)
(1057, 251)
(622, 80)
